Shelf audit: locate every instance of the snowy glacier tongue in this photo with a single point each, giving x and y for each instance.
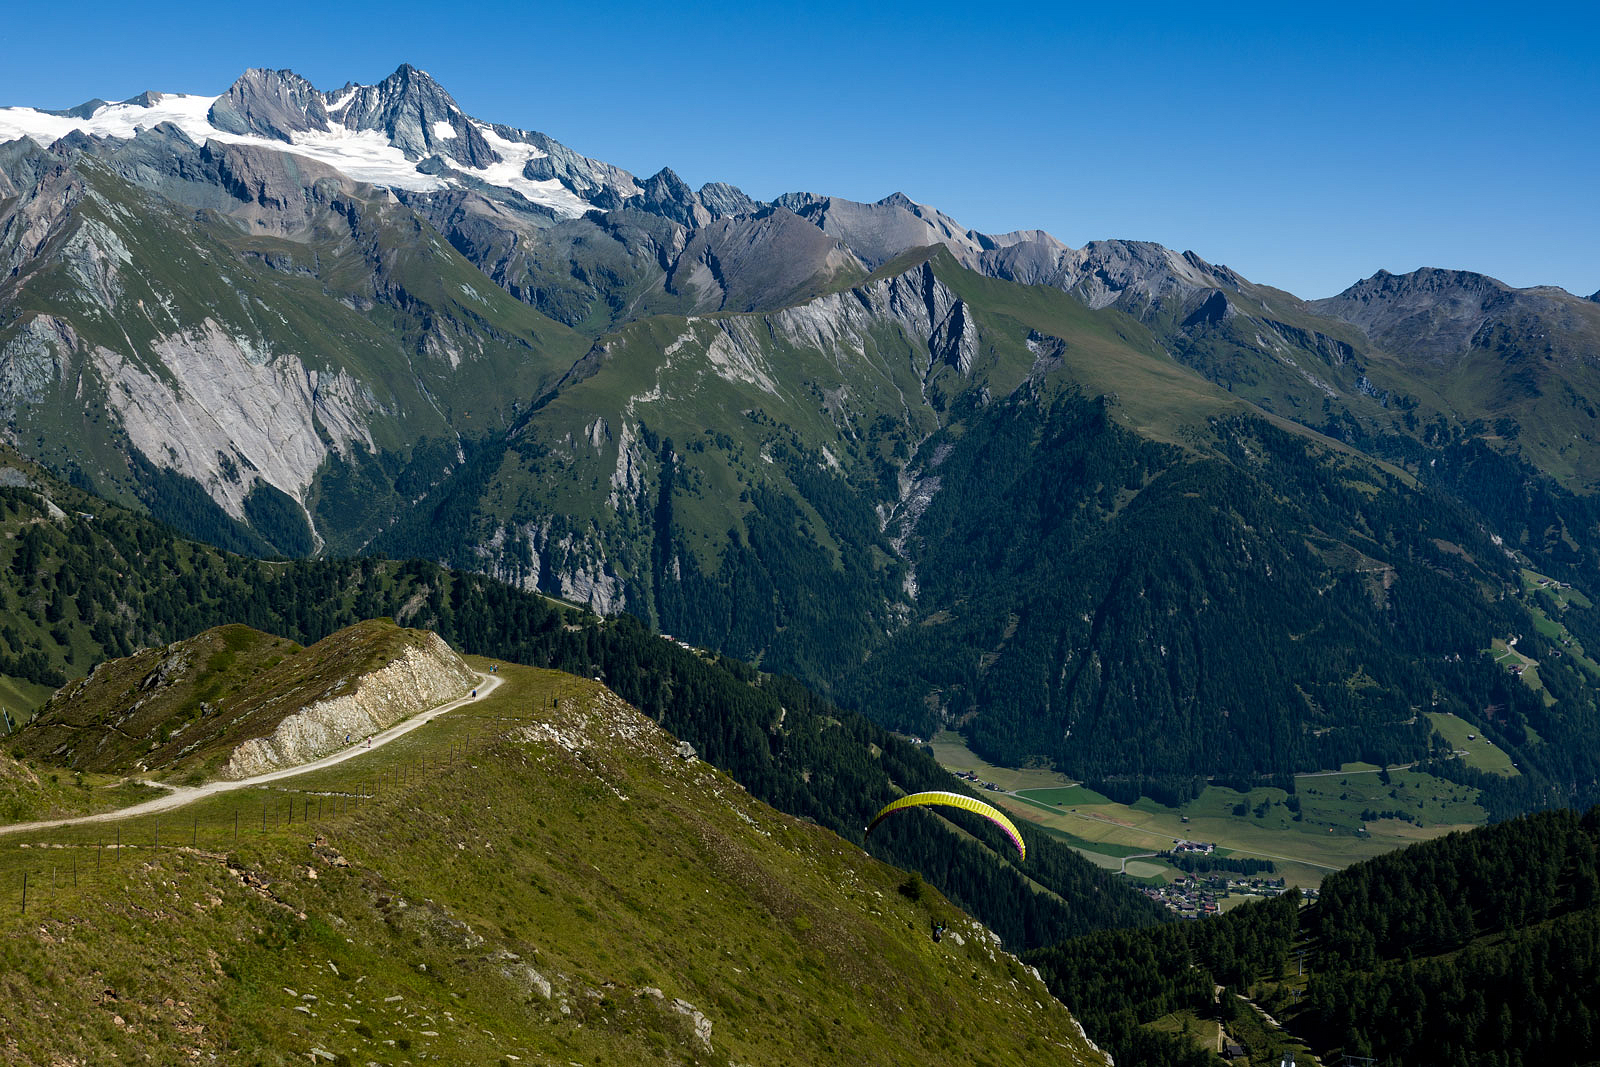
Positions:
(364, 155)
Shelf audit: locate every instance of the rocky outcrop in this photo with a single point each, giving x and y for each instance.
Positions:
(31, 361)
(840, 324)
(721, 199)
(748, 262)
(421, 677)
(271, 191)
(879, 232)
(666, 194)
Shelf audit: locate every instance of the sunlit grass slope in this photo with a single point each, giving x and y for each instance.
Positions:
(541, 878)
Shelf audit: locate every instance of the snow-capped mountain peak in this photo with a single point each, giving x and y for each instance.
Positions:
(406, 133)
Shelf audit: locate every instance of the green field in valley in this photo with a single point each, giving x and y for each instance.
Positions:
(1474, 749)
(1343, 816)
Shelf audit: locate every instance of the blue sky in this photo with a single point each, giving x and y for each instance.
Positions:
(1305, 150)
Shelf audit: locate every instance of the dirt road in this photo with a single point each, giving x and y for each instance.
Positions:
(181, 795)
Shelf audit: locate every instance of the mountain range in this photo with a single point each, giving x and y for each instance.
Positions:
(1116, 508)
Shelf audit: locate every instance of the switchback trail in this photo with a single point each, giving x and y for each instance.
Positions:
(181, 795)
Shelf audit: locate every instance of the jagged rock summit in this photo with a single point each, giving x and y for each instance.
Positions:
(417, 116)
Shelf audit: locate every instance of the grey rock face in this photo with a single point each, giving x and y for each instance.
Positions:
(31, 361)
(420, 678)
(33, 222)
(604, 186)
(270, 103)
(745, 262)
(417, 116)
(1027, 262)
(666, 194)
(1103, 271)
(1428, 312)
(20, 161)
(917, 302)
(1436, 315)
(272, 190)
(722, 199)
(797, 202)
(878, 232)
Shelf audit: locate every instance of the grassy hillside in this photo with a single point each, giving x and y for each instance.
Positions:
(1029, 521)
(31, 791)
(353, 290)
(543, 879)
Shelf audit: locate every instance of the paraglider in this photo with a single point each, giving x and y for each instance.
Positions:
(953, 800)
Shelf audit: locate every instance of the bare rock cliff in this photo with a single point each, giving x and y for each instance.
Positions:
(418, 679)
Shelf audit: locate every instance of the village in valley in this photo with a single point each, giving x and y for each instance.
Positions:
(1195, 895)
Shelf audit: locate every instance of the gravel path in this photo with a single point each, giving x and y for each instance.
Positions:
(181, 795)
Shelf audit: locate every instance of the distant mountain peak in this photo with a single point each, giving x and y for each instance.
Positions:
(1437, 314)
(722, 199)
(270, 103)
(417, 116)
(406, 71)
(664, 193)
(1424, 279)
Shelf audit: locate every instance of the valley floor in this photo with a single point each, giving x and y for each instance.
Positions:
(1331, 832)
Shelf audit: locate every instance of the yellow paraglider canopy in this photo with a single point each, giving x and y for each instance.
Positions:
(954, 800)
